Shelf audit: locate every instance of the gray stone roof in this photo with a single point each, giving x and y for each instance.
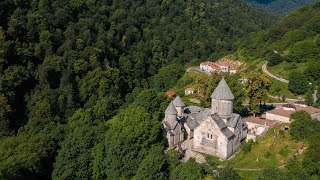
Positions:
(177, 102)
(192, 123)
(171, 110)
(233, 121)
(217, 119)
(222, 91)
(227, 133)
(192, 109)
(173, 128)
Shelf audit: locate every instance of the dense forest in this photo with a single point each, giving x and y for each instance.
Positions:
(82, 82)
(281, 6)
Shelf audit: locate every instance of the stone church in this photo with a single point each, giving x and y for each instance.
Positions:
(216, 131)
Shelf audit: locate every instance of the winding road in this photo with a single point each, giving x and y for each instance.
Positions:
(265, 70)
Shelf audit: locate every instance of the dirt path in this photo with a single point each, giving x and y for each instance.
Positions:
(265, 70)
(257, 169)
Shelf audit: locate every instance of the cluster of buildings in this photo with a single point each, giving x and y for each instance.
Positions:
(223, 66)
(216, 131)
(282, 114)
(257, 126)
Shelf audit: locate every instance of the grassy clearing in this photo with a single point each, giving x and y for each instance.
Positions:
(279, 88)
(249, 175)
(272, 150)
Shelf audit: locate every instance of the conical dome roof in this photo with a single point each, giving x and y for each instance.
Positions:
(177, 102)
(171, 110)
(222, 91)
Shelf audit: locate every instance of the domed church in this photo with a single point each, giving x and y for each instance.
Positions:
(215, 131)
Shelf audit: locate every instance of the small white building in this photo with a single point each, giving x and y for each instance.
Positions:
(209, 67)
(189, 91)
(223, 66)
(257, 126)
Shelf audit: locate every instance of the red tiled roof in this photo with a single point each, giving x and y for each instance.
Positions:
(200, 95)
(226, 63)
(287, 113)
(171, 93)
(211, 64)
(260, 121)
(308, 109)
(281, 112)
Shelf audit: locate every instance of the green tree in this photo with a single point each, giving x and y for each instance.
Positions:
(74, 159)
(153, 166)
(274, 59)
(5, 109)
(298, 83)
(205, 85)
(311, 160)
(309, 97)
(126, 143)
(167, 77)
(26, 156)
(238, 91)
(258, 85)
(99, 83)
(189, 170)
(228, 173)
(301, 126)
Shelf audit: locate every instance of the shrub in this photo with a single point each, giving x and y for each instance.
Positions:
(267, 154)
(246, 148)
(284, 151)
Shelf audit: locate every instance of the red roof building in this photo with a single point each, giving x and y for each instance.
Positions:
(171, 93)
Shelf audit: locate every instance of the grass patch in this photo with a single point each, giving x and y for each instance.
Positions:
(272, 150)
(249, 175)
(253, 66)
(284, 69)
(279, 88)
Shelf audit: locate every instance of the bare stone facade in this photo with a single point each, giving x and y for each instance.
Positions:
(216, 131)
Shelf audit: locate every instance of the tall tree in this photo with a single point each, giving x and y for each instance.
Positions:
(298, 83)
(309, 97)
(153, 166)
(5, 109)
(126, 144)
(258, 85)
(74, 159)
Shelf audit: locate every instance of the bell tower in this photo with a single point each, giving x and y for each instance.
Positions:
(222, 100)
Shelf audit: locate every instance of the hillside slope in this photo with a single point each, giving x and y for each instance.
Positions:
(281, 6)
(68, 67)
(291, 46)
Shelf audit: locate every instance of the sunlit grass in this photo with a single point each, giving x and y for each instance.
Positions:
(272, 150)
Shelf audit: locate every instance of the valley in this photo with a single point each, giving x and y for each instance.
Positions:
(85, 85)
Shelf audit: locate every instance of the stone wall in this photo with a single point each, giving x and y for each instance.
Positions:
(217, 146)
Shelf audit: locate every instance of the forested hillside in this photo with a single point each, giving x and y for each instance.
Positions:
(292, 46)
(81, 82)
(281, 6)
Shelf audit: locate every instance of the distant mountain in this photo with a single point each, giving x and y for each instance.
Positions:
(281, 6)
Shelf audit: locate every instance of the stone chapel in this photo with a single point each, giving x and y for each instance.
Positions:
(215, 131)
